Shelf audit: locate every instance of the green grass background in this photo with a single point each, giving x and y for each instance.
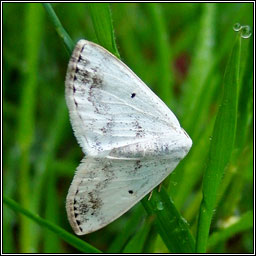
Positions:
(181, 51)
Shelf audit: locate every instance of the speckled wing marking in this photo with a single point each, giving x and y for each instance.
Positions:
(108, 104)
(104, 189)
(131, 139)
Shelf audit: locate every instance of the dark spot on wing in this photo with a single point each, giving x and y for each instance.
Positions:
(97, 82)
(78, 222)
(130, 191)
(137, 165)
(83, 208)
(96, 98)
(83, 61)
(133, 95)
(166, 148)
(104, 130)
(74, 89)
(98, 145)
(76, 103)
(94, 200)
(139, 130)
(108, 127)
(85, 80)
(83, 73)
(75, 78)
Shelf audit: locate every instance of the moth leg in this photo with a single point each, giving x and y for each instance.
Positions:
(150, 195)
(159, 187)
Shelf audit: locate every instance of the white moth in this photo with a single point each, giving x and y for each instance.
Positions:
(131, 139)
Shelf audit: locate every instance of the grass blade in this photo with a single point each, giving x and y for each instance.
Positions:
(137, 242)
(200, 64)
(245, 98)
(221, 145)
(102, 21)
(233, 195)
(163, 53)
(128, 230)
(131, 47)
(26, 118)
(69, 44)
(172, 227)
(70, 239)
(198, 92)
(43, 166)
(51, 240)
(192, 167)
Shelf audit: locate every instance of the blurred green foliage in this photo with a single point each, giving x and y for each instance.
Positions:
(181, 51)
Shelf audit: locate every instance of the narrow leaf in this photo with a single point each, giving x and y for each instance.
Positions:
(245, 98)
(102, 22)
(171, 226)
(59, 28)
(70, 239)
(26, 118)
(201, 63)
(137, 242)
(128, 230)
(221, 146)
(163, 50)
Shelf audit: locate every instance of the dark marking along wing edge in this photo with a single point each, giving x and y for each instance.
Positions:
(103, 189)
(100, 103)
